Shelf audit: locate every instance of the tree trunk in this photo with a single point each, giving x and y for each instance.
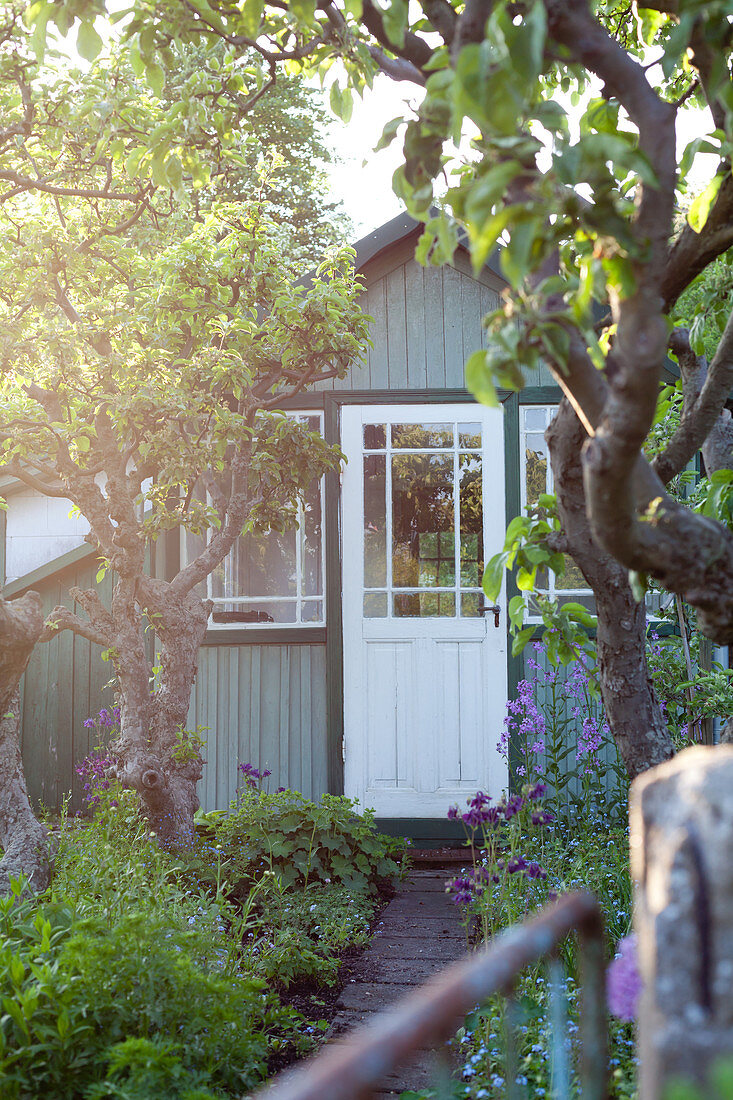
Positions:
(25, 842)
(153, 755)
(632, 710)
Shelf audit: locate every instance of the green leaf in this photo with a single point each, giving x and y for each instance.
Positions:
(479, 379)
(394, 18)
(389, 133)
(155, 77)
(521, 639)
(88, 42)
(698, 213)
(494, 575)
(639, 585)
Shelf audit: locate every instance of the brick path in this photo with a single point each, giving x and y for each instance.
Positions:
(418, 934)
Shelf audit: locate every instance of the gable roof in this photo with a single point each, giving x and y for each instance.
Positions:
(403, 228)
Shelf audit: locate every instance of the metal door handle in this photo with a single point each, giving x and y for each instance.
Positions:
(493, 609)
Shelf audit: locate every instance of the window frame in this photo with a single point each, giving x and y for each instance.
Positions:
(243, 603)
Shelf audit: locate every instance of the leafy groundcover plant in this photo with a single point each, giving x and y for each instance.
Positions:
(142, 974)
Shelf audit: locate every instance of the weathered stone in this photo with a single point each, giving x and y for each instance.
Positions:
(682, 865)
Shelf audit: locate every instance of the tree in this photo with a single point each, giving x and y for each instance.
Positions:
(495, 74)
(145, 357)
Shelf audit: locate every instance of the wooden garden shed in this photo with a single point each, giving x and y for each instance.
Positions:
(357, 653)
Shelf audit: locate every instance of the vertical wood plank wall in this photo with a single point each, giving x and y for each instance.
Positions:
(263, 705)
(63, 685)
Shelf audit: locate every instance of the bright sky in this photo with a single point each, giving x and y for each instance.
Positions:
(364, 180)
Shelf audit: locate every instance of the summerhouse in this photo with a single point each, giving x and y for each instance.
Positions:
(356, 654)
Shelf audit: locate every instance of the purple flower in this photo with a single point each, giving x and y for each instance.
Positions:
(452, 813)
(518, 863)
(539, 790)
(511, 806)
(543, 817)
(623, 980)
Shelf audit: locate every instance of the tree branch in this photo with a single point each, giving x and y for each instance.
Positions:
(705, 391)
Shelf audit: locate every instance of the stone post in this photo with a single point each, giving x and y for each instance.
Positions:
(682, 867)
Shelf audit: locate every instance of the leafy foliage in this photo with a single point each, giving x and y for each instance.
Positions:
(304, 842)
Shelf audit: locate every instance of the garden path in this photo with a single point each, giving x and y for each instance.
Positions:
(418, 934)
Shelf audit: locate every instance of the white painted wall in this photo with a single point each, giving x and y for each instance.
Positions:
(39, 529)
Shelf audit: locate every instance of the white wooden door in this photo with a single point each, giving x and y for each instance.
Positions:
(424, 668)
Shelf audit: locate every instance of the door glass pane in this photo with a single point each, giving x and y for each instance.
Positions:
(472, 520)
(422, 435)
(375, 522)
(423, 552)
(375, 605)
(422, 605)
(375, 437)
(471, 604)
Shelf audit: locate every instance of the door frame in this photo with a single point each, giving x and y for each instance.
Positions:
(333, 401)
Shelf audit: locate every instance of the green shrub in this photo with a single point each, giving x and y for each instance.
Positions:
(76, 993)
(303, 842)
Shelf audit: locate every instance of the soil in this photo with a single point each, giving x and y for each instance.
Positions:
(320, 1002)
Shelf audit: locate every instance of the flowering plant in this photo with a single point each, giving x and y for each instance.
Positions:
(253, 777)
(494, 834)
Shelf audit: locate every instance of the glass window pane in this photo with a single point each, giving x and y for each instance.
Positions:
(471, 604)
(469, 436)
(311, 611)
(586, 600)
(424, 605)
(534, 419)
(312, 546)
(258, 565)
(423, 548)
(375, 521)
(536, 469)
(375, 436)
(375, 605)
(472, 520)
(572, 577)
(422, 435)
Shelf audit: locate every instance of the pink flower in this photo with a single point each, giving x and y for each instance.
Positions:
(623, 980)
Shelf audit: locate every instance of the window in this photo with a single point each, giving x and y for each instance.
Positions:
(274, 579)
(423, 519)
(536, 479)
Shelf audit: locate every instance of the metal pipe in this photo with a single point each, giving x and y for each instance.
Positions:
(351, 1068)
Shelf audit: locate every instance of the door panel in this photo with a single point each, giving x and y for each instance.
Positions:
(424, 670)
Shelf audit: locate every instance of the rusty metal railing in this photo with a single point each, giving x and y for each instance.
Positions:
(353, 1067)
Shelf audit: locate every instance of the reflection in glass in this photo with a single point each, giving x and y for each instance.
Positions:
(375, 436)
(469, 436)
(471, 604)
(375, 605)
(375, 521)
(312, 559)
(423, 550)
(312, 611)
(258, 565)
(423, 605)
(572, 577)
(422, 435)
(534, 420)
(536, 468)
(471, 520)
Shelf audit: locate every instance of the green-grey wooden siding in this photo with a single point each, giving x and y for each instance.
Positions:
(263, 705)
(427, 321)
(63, 685)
